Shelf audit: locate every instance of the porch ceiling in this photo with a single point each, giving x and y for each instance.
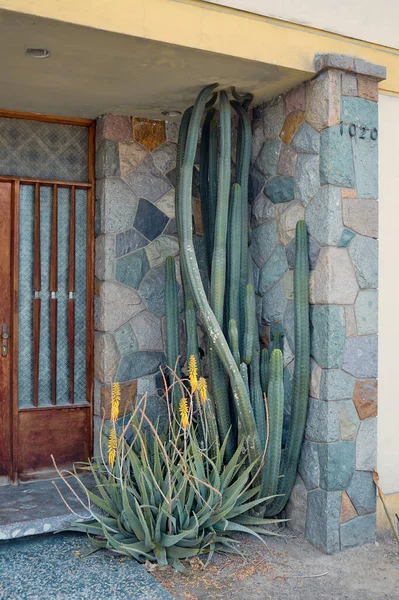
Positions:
(91, 72)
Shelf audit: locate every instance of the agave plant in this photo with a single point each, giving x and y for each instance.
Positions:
(162, 498)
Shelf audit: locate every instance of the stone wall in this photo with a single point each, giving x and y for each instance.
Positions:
(135, 231)
(315, 156)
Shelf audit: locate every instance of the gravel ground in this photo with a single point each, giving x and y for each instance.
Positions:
(53, 567)
(291, 569)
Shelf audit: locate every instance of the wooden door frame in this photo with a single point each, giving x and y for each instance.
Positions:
(90, 187)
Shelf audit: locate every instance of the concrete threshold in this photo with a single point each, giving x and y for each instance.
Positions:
(36, 508)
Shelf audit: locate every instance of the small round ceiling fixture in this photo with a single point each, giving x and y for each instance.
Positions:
(171, 113)
(37, 52)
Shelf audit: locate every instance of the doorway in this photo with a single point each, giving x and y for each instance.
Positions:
(46, 304)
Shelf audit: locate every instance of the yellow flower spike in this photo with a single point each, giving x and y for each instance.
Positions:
(112, 446)
(116, 396)
(193, 373)
(183, 410)
(202, 388)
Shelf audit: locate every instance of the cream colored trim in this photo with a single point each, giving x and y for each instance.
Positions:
(214, 28)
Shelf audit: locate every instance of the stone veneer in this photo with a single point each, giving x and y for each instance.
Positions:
(305, 164)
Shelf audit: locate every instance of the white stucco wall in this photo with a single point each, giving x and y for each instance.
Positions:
(388, 406)
(361, 19)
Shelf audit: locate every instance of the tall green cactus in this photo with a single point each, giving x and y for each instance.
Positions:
(241, 373)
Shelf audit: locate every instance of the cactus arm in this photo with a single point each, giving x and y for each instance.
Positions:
(244, 375)
(257, 399)
(234, 256)
(214, 331)
(233, 341)
(243, 164)
(212, 183)
(276, 406)
(301, 371)
(204, 188)
(191, 332)
(264, 369)
(250, 320)
(172, 322)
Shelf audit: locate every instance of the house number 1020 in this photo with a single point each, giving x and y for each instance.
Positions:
(361, 132)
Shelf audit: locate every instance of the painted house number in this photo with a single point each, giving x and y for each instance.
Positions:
(361, 132)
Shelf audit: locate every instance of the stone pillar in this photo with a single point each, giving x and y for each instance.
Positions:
(315, 155)
(135, 232)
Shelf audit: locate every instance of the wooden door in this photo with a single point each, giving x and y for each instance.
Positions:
(5, 330)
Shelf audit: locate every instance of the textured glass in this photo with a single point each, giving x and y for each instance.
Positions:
(26, 294)
(43, 150)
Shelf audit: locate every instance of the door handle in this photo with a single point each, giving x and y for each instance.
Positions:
(4, 340)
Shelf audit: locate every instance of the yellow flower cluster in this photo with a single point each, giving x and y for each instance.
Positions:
(193, 373)
(113, 440)
(202, 389)
(183, 410)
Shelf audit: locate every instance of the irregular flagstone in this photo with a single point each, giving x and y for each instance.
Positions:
(167, 204)
(365, 398)
(267, 159)
(273, 270)
(365, 158)
(273, 118)
(360, 112)
(366, 445)
(288, 283)
(307, 181)
(148, 331)
(361, 356)
(361, 216)
(322, 423)
(262, 210)
(149, 221)
(348, 511)
(323, 216)
(257, 139)
(322, 521)
(366, 310)
(333, 280)
(164, 157)
(295, 99)
(129, 241)
(119, 206)
(106, 357)
(339, 461)
(256, 184)
(149, 132)
(349, 84)
(273, 305)
(323, 100)
(116, 127)
(336, 159)
(362, 492)
(152, 290)
(358, 531)
(264, 239)
(348, 420)
(172, 130)
(291, 124)
(147, 181)
(296, 508)
(131, 154)
(308, 467)
(335, 384)
(287, 161)
(315, 378)
(368, 88)
(280, 189)
(306, 140)
(364, 255)
(346, 238)
(126, 339)
(104, 257)
(327, 334)
(313, 251)
(131, 268)
(107, 160)
(137, 364)
(350, 320)
(160, 249)
(116, 305)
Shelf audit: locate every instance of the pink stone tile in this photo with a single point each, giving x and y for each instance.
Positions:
(117, 128)
(295, 99)
(287, 161)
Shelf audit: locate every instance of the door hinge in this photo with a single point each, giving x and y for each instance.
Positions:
(4, 340)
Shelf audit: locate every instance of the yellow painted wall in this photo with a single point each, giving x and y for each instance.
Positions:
(213, 28)
(361, 19)
(388, 405)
